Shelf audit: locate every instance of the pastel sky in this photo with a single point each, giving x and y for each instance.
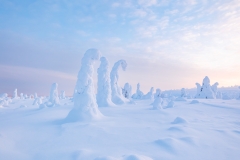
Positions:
(168, 44)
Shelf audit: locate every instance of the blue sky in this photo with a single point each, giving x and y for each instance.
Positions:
(167, 44)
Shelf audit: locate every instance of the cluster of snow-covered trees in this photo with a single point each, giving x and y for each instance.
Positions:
(206, 91)
(109, 93)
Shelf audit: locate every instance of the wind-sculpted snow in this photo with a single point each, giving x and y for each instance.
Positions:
(85, 106)
(117, 96)
(104, 96)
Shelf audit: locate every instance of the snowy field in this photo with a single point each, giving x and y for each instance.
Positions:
(206, 130)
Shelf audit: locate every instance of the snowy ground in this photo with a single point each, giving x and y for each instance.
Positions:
(207, 130)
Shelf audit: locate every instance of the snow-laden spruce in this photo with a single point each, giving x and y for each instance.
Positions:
(214, 88)
(53, 97)
(15, 95)
(63, 95)
(85, 106)
(4, 100)
(37, 101)
(139, 94)
(127, 91)
(104, 97)
(35, 95)
(183, 93)
(157, 104)
(117, 96)
(206, 91)
(149, 95)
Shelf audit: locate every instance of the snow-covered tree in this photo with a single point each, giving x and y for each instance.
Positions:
(21, 96)
(183, 93)
(206, 91)
(149, 95)
(63, 95)
(4, 100)
(214, 88)
(127, 91)
(35, 95)
(219, 95)
(104, 96)
(26, 96)
(53, 97)
(198, 89)
(157, 104)
(37, 101)
(139, 94)
(15, 95)
(117, 96)
(85, 106)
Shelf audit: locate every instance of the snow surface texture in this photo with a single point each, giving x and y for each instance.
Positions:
(127, 91)
(117, 96)
(104, 97)
(206, 91)
(139, 94)
(204, 131)
(157, 104)
(85, 106)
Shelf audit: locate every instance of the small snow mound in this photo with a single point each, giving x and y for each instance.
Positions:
(136, 157)
(166, 143)
(179, 120)
(23, 106)
(194, 102)
(170, 104)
